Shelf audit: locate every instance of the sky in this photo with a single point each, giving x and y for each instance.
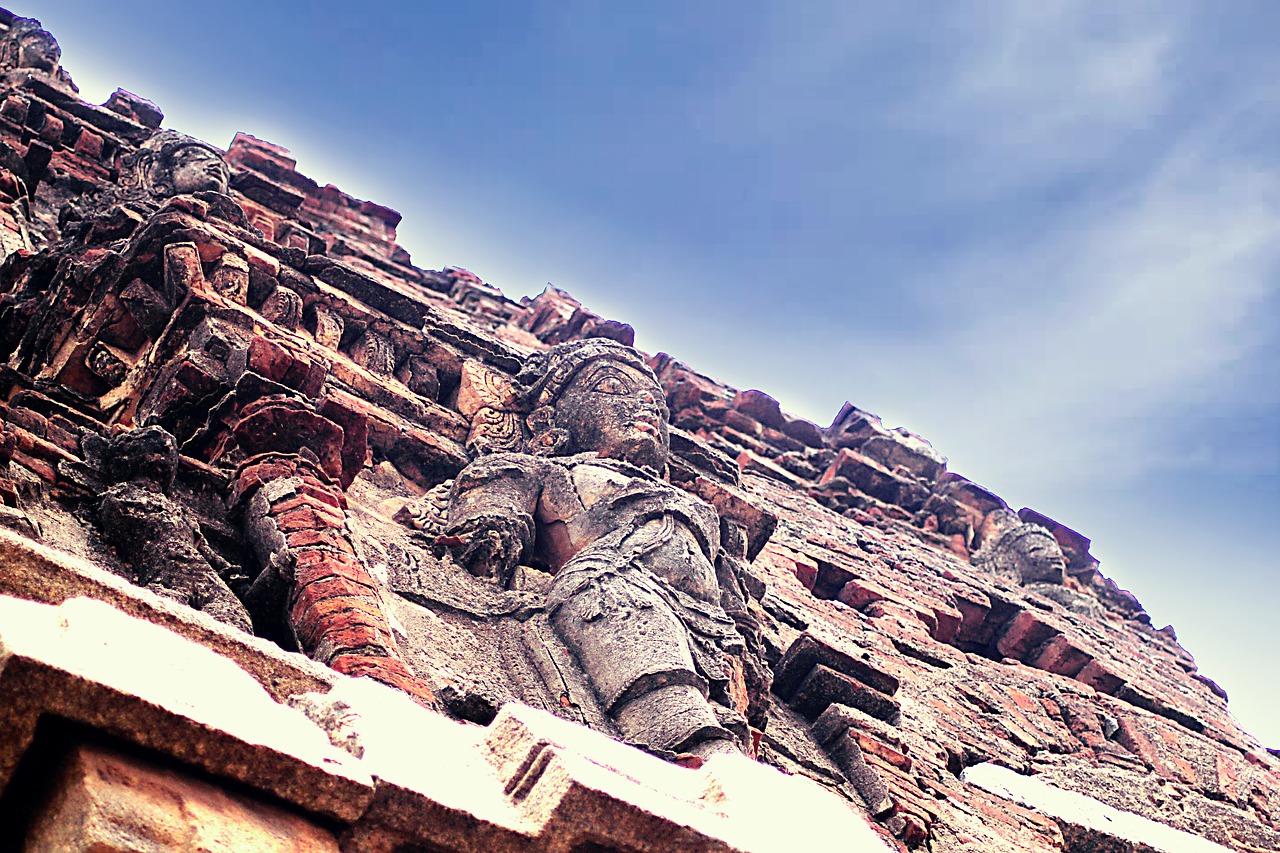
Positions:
(1043, 235)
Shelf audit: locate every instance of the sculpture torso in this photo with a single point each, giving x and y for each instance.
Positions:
(587, 498)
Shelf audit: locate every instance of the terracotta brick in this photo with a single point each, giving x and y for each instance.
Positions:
(39, 467)
(1100, 677)
(311, 623)
(306, 518)
(974, 607)
(317, 564)
(322, 500)
(1025, 633)
(329, 588)
(871, 745)
(353, 664)
(858, 593)
(1063, 656)
(333, 539)
(315, 633)
(357, 635)
(949, 620)
(389, 671)
(317, 610)
(325, 494)
(268, 359)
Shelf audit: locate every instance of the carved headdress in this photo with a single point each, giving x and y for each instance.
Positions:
(546, 374)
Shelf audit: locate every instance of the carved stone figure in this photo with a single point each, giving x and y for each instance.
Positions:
(1028, 554)
(637, 595)
(1020, 552)
(168, 164)
(28, 44)
(158, 537)
(172, 163)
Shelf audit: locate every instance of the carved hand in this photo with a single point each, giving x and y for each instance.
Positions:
(489, 545)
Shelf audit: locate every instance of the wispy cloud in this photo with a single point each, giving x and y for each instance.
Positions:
(1047, 85)
(1065, 343)
(1100, 329)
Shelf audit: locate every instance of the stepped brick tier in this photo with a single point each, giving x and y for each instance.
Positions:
(308, 548)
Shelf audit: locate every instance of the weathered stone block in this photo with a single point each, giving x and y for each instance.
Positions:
(230, 278)
(822, 686)
(760, 407)
(106, 801)
(808, 651)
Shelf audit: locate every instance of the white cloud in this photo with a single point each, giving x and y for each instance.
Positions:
(1051, 82)
(1064, 342)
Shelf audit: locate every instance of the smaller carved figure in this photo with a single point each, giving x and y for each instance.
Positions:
(1021, 552)
(158, 537)
(172, 163)
(168, 164)
(28, 45)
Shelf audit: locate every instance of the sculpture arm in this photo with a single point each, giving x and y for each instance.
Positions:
(490, 522)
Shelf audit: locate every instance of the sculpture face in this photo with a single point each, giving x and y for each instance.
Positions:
(147, 455)
(29, 45)
(194, 168)
(1036, 554)
(38, 49)
(617, 411)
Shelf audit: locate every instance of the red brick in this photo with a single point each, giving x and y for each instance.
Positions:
(330, 587)
(1100, 677)
(356, 635)
(389, 671)
(974, 607)
(268, 359)
(904, 610)
(915, 831)
(314, 622)
(1063, 656)
(314, 565)
(330, 495)
(949, 620)
(306, 518)
(1025, 633)
(806, 571)
(858, 593)
(39, 467)
(874, 746)
(329, 512)
(333, 539)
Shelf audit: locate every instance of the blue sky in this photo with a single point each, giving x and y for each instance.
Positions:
(1045, 236)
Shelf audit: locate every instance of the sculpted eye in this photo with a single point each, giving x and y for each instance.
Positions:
(611, 383)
